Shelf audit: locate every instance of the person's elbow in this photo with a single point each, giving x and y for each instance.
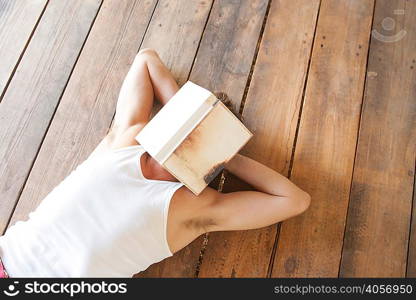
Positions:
(145, 53)
(302, 202)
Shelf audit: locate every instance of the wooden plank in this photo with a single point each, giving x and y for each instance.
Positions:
(310, 244)
(411, 256)
(271, 113)
(87, 106)
(175, 32)
(33, 94)
(222, 64)
(18, 19)
(228, 47)
(377, 232)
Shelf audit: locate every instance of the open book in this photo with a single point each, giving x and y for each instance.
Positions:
(193, 136)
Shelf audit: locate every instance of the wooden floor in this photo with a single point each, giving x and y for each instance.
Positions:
(327, 87)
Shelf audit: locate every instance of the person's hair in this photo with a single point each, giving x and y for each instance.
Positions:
(223, 97)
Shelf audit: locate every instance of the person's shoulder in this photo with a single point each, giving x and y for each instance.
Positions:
(193, 205)
(192, 211)
(120, 139)
(207, 195)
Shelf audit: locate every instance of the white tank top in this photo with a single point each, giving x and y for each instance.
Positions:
(104, 220)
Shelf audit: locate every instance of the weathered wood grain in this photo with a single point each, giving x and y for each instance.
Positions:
(34, 92)
(222, 64)
(310, 244)
(87, 106)
(228, 46)
(271, 112)
(377, 231)
(411, 256)
(18, 20)
(175, 32)
(377, 240)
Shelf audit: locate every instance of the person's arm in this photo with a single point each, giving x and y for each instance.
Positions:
(148, 78)
(276, 199)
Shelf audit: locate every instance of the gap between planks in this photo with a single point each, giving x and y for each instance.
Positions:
(53, 115)
(141, 42)
(206, 235)
(411, 233)
(358, 138)
(256, 52)
(205, 241)
(241, 108)
(274, 251)
(23, 52)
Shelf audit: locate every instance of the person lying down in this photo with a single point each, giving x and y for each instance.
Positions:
(120, 211)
